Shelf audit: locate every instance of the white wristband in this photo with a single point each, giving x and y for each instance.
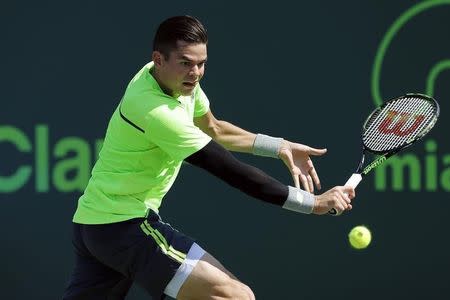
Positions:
(265, 145)
(299, 201)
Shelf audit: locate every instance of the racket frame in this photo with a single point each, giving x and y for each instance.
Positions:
(384, 155)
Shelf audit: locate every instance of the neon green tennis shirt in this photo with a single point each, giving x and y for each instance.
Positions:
(148, 137)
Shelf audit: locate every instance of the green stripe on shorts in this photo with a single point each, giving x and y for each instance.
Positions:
(162, 242)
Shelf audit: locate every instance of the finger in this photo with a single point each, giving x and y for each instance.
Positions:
(304, 182)
(288, 160)
(315, 178)
(339, 207)
(317, 152)
(345, 203)
(344, 200)
(310, 183)
(350, 191)
(344, 196)
(296, 180)
(349, 207)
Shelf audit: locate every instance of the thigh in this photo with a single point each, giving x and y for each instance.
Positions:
(210, 280)
(92, 280)
(146, 250)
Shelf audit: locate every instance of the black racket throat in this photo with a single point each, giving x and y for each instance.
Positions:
(379, 159)
(376, 162)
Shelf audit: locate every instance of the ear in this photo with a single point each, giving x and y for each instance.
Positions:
(157, 58)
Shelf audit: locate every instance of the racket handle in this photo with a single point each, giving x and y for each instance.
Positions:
(353, 181)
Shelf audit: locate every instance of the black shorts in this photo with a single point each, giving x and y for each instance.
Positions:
(110, 257)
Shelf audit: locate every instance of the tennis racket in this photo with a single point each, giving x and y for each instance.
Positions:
(392, 127)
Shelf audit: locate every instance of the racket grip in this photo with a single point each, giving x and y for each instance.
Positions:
(353, 181)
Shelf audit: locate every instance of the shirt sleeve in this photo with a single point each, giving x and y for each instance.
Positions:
(171, 129)
(201, 103)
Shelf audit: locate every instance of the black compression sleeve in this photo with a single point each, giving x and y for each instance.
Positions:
(250, 180)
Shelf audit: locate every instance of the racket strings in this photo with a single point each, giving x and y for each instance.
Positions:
(395, 140)
(422, 110)
(389, 141)
(398, 122)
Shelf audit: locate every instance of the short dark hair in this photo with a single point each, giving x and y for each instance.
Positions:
(179, 28)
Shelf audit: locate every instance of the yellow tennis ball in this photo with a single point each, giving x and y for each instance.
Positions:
(360, 237)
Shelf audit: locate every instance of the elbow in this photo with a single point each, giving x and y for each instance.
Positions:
(214, 130)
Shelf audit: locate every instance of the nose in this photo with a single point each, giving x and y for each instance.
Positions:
(195, 71)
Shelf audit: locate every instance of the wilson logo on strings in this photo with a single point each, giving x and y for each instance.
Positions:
(396, 123)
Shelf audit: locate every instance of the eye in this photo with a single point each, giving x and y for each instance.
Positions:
(185, 63)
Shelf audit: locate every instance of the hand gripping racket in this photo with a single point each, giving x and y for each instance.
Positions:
(392, 127)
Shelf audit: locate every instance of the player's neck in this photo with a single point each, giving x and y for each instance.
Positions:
(154, 72)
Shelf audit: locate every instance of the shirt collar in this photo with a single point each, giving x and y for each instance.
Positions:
(154, 84)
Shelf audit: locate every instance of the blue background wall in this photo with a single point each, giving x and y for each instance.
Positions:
(298, 70)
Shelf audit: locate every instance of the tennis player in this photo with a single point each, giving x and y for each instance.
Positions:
(162, 120)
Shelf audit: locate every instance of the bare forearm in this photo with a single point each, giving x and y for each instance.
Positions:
(232, 137)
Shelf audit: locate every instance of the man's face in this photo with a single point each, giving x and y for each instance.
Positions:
(180, 73)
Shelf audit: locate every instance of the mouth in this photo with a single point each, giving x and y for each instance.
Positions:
(190, 84)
